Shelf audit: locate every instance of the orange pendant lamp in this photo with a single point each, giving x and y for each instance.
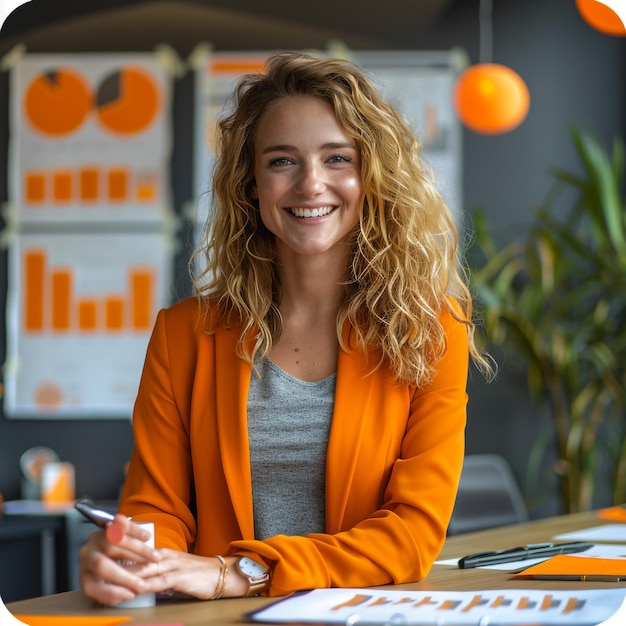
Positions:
(490, 98)
(607, 16)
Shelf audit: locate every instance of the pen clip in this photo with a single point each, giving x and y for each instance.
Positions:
(494, 553)
(531, 547)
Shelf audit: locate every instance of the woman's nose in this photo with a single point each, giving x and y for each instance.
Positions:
(311, 180)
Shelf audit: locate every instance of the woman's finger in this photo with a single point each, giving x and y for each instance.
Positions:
(126, 540)
(107, 580)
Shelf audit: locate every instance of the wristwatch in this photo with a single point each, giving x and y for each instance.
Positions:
(258, 575)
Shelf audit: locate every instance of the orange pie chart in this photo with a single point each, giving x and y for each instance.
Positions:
(127, 101)
(57, 102)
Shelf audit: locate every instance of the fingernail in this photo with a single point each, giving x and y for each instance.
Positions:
(115, 533)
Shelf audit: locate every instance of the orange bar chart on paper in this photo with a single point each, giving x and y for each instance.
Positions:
(51, 304)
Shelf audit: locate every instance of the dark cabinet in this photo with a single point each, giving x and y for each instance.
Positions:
(32, 556)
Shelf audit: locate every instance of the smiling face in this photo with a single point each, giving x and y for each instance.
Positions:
(307, 178)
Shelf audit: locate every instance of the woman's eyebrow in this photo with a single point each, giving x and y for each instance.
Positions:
(278, 148)
(344, 145)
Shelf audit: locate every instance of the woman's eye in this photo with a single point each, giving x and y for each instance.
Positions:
(340, 158)
(280, 161)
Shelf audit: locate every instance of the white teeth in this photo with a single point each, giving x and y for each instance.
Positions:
(318, 212)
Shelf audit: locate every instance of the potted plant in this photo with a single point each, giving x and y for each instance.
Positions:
(558, 299)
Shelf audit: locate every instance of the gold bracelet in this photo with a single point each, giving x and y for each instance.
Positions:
(221, 581)
(225, 570)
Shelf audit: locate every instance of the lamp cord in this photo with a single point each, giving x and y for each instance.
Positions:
(485, 21)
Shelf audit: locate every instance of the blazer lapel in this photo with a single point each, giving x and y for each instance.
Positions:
(233, 380)
(352, 393)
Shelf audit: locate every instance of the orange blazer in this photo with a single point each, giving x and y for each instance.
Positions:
(393, 463)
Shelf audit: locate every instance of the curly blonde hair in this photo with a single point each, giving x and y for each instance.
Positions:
(403, 268)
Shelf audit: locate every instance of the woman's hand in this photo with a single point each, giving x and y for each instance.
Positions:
(116, 565)
(114, 562)
(192, 575)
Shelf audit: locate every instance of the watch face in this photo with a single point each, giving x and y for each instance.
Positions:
(251, 568)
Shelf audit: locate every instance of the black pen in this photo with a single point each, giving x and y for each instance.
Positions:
(522, 553)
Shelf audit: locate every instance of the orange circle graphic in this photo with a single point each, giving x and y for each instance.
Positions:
(49, 396)
(127, 101)
(57, 102)
(601, 17)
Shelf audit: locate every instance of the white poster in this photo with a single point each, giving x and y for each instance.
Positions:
(420, 85)
(80, 312)
(90, 138)
(89, 230)
(215, 79)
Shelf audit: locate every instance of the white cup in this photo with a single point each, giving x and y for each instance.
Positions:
(147, 599)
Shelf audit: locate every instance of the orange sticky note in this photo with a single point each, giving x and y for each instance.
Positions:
(568, 567)
(613, 513)
(72, 620)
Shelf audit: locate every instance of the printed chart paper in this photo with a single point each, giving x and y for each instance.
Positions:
(89, 230)
(214, 81)
(607, 533)
(79, 316)
(420, 85)
(90, 138)
(504, 607)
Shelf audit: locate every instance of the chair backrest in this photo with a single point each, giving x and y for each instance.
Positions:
(488, 496)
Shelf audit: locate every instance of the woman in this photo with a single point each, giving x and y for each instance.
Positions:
(300, 423)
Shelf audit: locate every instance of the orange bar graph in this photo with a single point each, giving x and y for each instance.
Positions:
(431, 128)
(51, 304)
(118, 185)
(61, 299)
(237, 66)
(89, 191)
(146, 188)
(87, 314)
(34, 275)
(141, 288)
(62, 186)
(114, 313)
(35, 187)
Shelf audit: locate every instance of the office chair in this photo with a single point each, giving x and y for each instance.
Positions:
(488, 496)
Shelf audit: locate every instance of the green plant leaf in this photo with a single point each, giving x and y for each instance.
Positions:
(558, 299)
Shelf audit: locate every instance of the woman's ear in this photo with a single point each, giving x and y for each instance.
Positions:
(254, 193)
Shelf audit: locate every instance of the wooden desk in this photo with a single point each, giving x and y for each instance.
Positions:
(231, 611)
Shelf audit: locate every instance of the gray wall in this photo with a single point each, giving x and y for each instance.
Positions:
(576, 78)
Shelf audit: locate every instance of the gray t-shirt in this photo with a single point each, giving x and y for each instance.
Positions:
(288, 427)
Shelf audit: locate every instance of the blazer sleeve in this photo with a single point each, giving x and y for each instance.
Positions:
(158, 486)
(397, 542)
